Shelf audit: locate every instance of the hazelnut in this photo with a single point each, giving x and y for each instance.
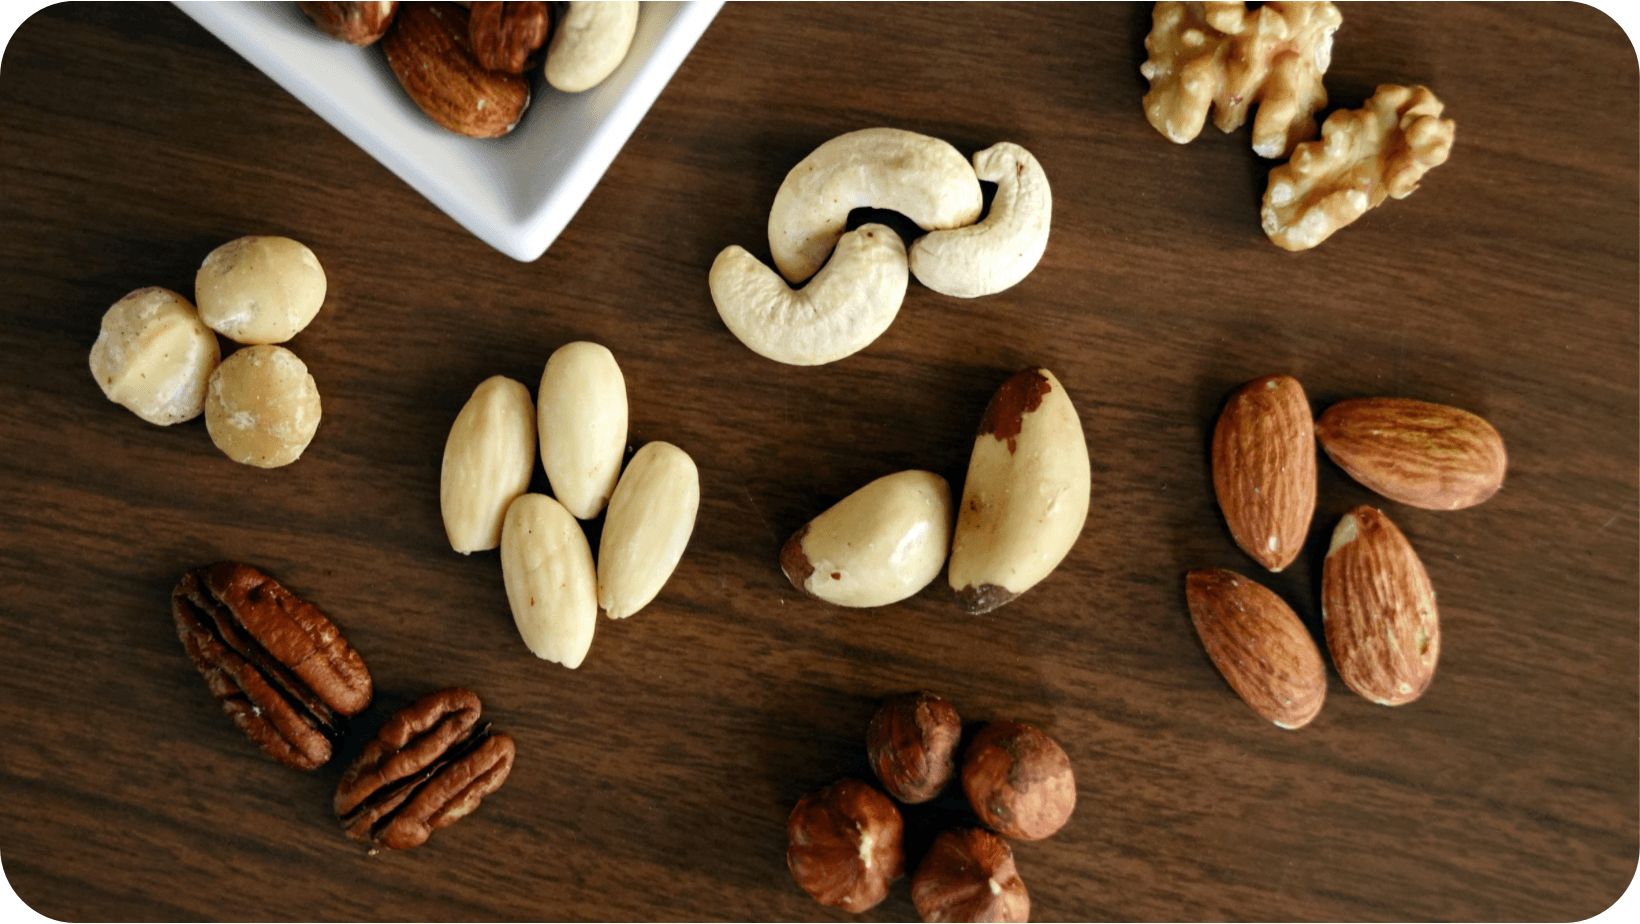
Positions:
(969, 875)
(847, 845)
(1018, 781)
(912, 745)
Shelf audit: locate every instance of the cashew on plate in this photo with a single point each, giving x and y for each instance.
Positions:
(842, 310)
(589, 43)
(1226, 57)
(1364, 156)
(985, 258)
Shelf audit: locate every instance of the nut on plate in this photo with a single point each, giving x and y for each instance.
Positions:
(994, 254)
(432, 56)
(650, 520)
(1264, 468)
(1018, 781)
(582, 411)
(590, 41)
(1426, 455)
(969, 875)
(1378, 610)
(281, 669)
(1228, 57)
(353, 23)
(879, 545)
(508, 36)
(846, 845)
(1363, 157)
(431, 765)
(262, 407)
(552, 585)
(154, 356)
(1026, 496)
(1259, 644)
(259, 289)
(488, 458)
(912, 745)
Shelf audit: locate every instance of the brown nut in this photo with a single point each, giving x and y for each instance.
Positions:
(1264, 468)
(1018, 781)
(428, 767)
(847, 845)
(1378, 610)
(1426, 455)
(1259, 644)
(353, 23)
(912, 745)
(432, 56)
(969, 875)
(281, 670)
(508, 37)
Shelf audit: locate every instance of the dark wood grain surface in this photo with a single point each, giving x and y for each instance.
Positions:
(654, 782)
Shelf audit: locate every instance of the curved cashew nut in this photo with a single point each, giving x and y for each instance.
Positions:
(986, 258)
(842, 309)
(922, 178)
(590, 42)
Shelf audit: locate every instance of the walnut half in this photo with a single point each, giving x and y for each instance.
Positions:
(1227, 57)
(1364, 156)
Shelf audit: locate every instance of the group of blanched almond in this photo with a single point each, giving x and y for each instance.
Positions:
(1377, 606)
(579, 420)
(847, 841)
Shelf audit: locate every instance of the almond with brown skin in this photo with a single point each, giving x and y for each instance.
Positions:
(432, 57)
(509, 36)
(1259, 644)
(1422, 454)
(1378, 610)
(353, 23)
(1264, 468)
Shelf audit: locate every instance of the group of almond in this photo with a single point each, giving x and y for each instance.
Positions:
(553, 587)
(465, 64)
(157, 354)
(1377, 606)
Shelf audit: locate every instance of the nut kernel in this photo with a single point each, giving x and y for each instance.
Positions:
(262, 407)
(582, 414)
(259, 289)
(154, 356)
(488, 459)
(1018, 781)
(551, 584)
(912, 745)
(846, 845)
(650, 520)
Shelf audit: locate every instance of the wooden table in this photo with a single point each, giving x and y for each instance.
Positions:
(654, 782)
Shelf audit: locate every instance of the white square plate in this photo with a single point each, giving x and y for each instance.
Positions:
(515, 193)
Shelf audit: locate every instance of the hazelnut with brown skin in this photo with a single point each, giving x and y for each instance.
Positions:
(969, 875)
(1018, 781)
(847, 845)
(912, 745)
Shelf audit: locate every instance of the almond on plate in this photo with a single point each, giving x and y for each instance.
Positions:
(432, 56)
(1421, 454)
(1264, 468)
(1378, 610)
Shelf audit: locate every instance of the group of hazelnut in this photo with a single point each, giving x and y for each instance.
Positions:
(847, 841)
(157, 355)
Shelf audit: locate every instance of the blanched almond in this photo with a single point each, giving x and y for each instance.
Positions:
(488, 459)
(650, 519)
(582, 426)
(551, 583)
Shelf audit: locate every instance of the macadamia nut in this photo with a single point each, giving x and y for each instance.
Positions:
(262, 407)
(154, 355)
(260, 289)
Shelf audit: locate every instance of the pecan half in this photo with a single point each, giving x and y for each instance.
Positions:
(429, 766)
(509, 36)
(282, 671)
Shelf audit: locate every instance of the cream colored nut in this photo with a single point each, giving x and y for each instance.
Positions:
(840, 312)
(650, 519)
(985, 258)
(1364, 156)
(1026, 496)
(551, 583)
(922, 178)
(262, 407)
(879, 545)
(488, 459)
(590, 42)
(259, 289)
(154, 355)
(583, 426)
(1228, 57)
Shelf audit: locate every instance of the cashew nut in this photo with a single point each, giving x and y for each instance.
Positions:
(842, 309)
(922, 178)
(590, 42)
(986, 258)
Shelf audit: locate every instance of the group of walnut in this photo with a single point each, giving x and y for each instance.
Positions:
(1227, 57)
(1377, 605)
(847, 841)
(290, 681)
(466, 64)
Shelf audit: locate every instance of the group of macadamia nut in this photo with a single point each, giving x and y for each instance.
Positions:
(1024, 503)
(554, 588)
(852, 297)
(847, 841)
(466, 64)
(1227, 57)
(157, 354)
